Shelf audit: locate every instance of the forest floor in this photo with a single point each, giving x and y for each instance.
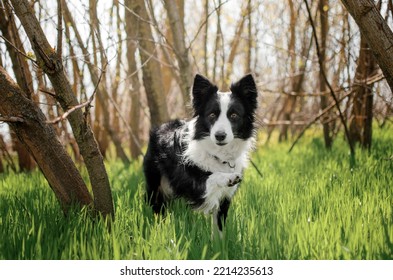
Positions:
(308, 204)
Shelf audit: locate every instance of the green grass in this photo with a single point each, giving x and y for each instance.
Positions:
(309, 205)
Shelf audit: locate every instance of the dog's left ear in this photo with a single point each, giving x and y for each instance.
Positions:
(246, 87)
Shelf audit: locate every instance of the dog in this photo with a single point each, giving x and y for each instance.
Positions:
(202, 160)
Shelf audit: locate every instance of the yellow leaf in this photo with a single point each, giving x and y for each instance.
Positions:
(30, 55)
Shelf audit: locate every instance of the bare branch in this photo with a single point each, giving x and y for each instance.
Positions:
(205, 21)
(316, 118)
(66, 114)
(86, 104)
(48, 92)
(11, 119)
(18, 50)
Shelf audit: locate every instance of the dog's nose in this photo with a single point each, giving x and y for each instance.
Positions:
(220, 136)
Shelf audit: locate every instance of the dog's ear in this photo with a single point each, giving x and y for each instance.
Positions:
(246, 90)
(201, 90)
(201, 85)
(245, 86)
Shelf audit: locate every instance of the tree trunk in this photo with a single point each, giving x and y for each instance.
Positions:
(234, 50)
(175, 12)
(103, 94)
(250, 39)
(1, 155)
(205, 40)
(41, 141)
(323, 13)
(218, 44)
(51, 64)
(151, 70)
(362, 114)
(298, 74)
(134, 90)
(377, 33)
(23, 77)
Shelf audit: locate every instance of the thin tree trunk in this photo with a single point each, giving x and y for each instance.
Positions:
(116, 78)
(297, 80)
(151, 70)
(1, 154)
(102, 111)
(52, 65)
(250, 44)
(323, 13)
(175, 12)
(41, 141)
(205, 40)
(134, 90)
(361, 115)
(234, 49)
(218, 42)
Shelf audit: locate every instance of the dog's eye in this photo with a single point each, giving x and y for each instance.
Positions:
(212, 116)
(234, 116)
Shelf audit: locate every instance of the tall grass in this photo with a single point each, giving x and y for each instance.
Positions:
(309, 205)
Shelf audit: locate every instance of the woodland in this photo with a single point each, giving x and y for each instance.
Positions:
(83, 81)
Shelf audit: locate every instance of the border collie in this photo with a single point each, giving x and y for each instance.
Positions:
(202, 160)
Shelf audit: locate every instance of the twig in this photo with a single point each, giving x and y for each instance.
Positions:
(321, 68)
(48, 92)
(18, 50)
(68, 112)
(327, 109)
(256, 168)
(204, 22)
(59, 29)
(86, 104)
(364, 82)
(11, 119)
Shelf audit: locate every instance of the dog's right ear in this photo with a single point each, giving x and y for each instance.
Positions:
(201, 86)
(201, 90)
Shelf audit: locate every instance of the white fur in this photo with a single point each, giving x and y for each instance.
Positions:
(217, 189)
(225, 162)
(223, 124)
(210, 157)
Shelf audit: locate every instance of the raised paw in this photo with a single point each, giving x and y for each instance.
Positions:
(235, 181)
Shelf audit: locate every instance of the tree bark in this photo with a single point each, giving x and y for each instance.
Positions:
(377, 33)
(175, 12)
(323, 14)
(23, 77)
(1, 155)
(234, 49)
(41, 141)
(151, 70)
(205, 40)
(51, 64)
(362, 114)
(134, 90)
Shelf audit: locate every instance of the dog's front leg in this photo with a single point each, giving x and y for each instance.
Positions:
(220, 216)
(224, 179)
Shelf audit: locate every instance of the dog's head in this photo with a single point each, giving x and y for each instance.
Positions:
(224, 116)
